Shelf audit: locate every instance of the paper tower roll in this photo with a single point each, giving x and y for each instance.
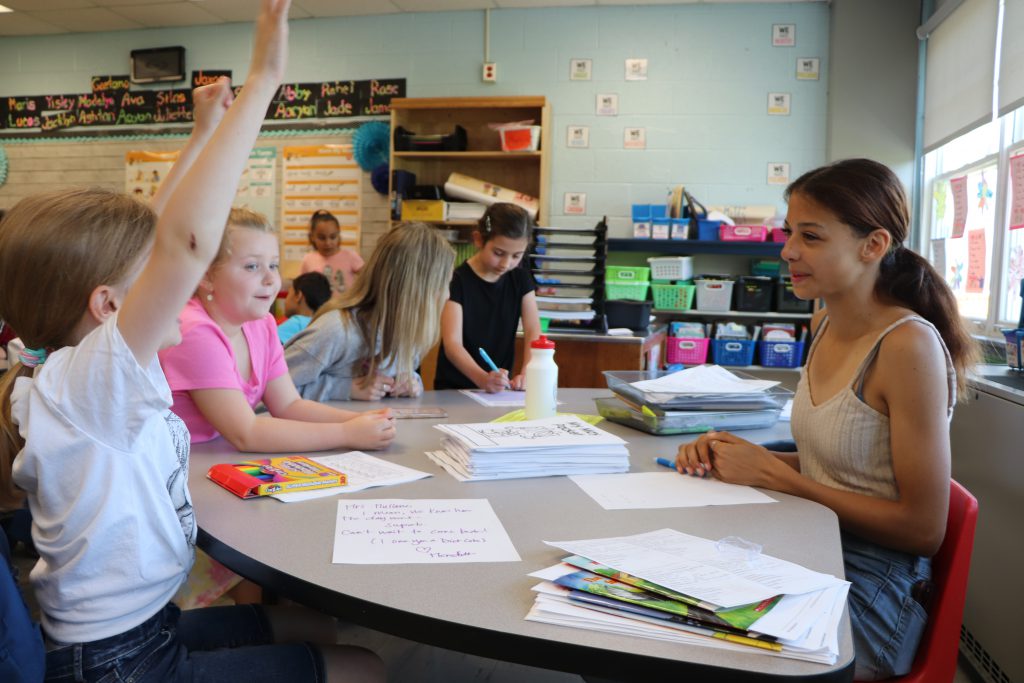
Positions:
(475, 190)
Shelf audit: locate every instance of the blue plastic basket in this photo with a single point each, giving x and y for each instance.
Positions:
(733, 351)
(781, 354)
(708, 230)
(1014, 348)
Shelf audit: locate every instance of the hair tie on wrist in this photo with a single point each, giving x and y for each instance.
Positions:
(30, 358)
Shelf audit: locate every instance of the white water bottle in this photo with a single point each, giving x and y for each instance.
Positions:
(541, 379)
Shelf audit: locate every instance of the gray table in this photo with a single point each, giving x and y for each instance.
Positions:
(479, 608)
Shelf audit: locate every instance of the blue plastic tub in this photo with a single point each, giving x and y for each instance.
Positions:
(781, 354)
(733, 351)
(708, 230)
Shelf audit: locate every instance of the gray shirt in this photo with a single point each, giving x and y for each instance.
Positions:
(327, 356)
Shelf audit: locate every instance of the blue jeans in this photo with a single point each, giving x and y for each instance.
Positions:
(210, 644)
(886, 619)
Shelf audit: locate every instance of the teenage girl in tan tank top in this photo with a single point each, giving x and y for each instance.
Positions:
(846, 227)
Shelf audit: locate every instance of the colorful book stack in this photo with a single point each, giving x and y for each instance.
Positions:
(670, 586)
(697, 399)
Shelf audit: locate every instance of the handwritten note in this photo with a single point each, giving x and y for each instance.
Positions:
(396, 531)
(1017, 194)
(501, 399)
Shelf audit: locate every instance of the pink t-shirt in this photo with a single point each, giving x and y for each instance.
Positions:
(205, 360)
(340, 269)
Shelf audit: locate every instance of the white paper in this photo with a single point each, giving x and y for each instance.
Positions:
(694, 566)
(704, 379)
(646, 490)
(501, 399)
(787, 411)
(577, 136)
(548, 432)
(395, 531)
(363, 472)
(778, 103)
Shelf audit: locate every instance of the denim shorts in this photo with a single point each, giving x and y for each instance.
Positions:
(211, 644)
(886, 619)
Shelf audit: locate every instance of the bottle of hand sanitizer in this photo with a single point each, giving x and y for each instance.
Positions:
(541, 379)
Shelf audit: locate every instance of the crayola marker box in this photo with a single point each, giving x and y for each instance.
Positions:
(267, 476)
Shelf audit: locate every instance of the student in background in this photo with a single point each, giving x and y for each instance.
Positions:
(340, 265)
(369, 342)
(489, 295)
(106, 480)
(872, 410)
(306, 295)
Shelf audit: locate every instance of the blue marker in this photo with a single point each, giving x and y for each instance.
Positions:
(665, 462)
(487, 359)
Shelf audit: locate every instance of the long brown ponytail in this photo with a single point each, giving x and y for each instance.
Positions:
(866, 196)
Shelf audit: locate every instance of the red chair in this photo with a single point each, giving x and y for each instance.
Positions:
(936, 656)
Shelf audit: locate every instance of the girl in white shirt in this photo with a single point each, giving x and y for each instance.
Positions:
(86, 435)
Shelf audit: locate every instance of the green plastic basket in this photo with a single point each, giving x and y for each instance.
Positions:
(635, 291)
(673, 297)
(628, 273)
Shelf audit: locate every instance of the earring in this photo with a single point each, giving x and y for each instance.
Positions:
(209, 297)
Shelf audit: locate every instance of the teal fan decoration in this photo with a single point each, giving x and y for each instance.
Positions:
(371, 144)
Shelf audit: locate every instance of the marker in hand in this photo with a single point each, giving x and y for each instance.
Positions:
(490, 363)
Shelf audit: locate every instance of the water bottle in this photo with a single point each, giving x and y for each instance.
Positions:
(541, 379)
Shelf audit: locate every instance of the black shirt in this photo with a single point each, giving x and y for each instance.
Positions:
(490, 318)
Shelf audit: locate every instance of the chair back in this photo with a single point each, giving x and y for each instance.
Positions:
(936, 656)
(22, 656)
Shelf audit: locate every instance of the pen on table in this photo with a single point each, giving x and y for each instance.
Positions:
(487, 359)
(665, 462)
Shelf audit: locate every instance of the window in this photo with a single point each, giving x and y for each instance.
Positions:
(983, 261)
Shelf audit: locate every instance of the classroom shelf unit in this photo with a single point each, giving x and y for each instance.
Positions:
(524, 172)
(691, 247)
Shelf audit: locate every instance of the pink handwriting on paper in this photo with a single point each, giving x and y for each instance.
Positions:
(1017, 197)
(959, 187)
(975, 260)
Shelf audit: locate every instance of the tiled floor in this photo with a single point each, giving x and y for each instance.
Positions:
(411, 662)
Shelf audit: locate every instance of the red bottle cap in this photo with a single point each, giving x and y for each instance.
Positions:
(542, 342)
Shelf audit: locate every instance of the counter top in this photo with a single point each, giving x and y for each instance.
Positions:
(634, 338)
(1000, 381)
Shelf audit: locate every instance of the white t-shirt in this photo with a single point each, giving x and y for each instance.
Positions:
(105, 467)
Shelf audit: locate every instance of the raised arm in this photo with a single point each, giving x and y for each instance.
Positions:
(209, 104)
(189, 229)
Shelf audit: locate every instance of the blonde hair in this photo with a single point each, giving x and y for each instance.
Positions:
(241, 217)
(397, 297)
(55, 249)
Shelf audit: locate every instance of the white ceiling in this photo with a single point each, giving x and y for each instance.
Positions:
(40, 17)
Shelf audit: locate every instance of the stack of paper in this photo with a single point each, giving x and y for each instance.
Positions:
(698, 399)
(671, 586)
(465, 211)
(563, 444)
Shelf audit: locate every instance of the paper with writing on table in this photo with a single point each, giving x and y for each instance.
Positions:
(501, 399)
(645, 490)
(558, 432)
(395, 531)
(704, 379)
(363, 472)
(694, 566)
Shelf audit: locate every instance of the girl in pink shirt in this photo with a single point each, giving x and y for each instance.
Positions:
(230, 359)
(338, 264)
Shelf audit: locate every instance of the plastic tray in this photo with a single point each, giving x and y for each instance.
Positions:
(673, 297)
(620, 382)
(684, 422)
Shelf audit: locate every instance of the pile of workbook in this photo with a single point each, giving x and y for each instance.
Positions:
(674, 587)
(563, 444)
(697, 399)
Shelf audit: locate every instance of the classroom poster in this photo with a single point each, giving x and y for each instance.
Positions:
(607, 104)
(145, 170)
(257, 185)
(636, 69)
(634, 138)
(1017, 192)
(580, 69)
(939, 255)
(577, 137)
(778, 173)
(975, 261)
(958, 186)
(807, 69)
(317, 177)
(575, 204)
(783, 35)
(778, 104)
